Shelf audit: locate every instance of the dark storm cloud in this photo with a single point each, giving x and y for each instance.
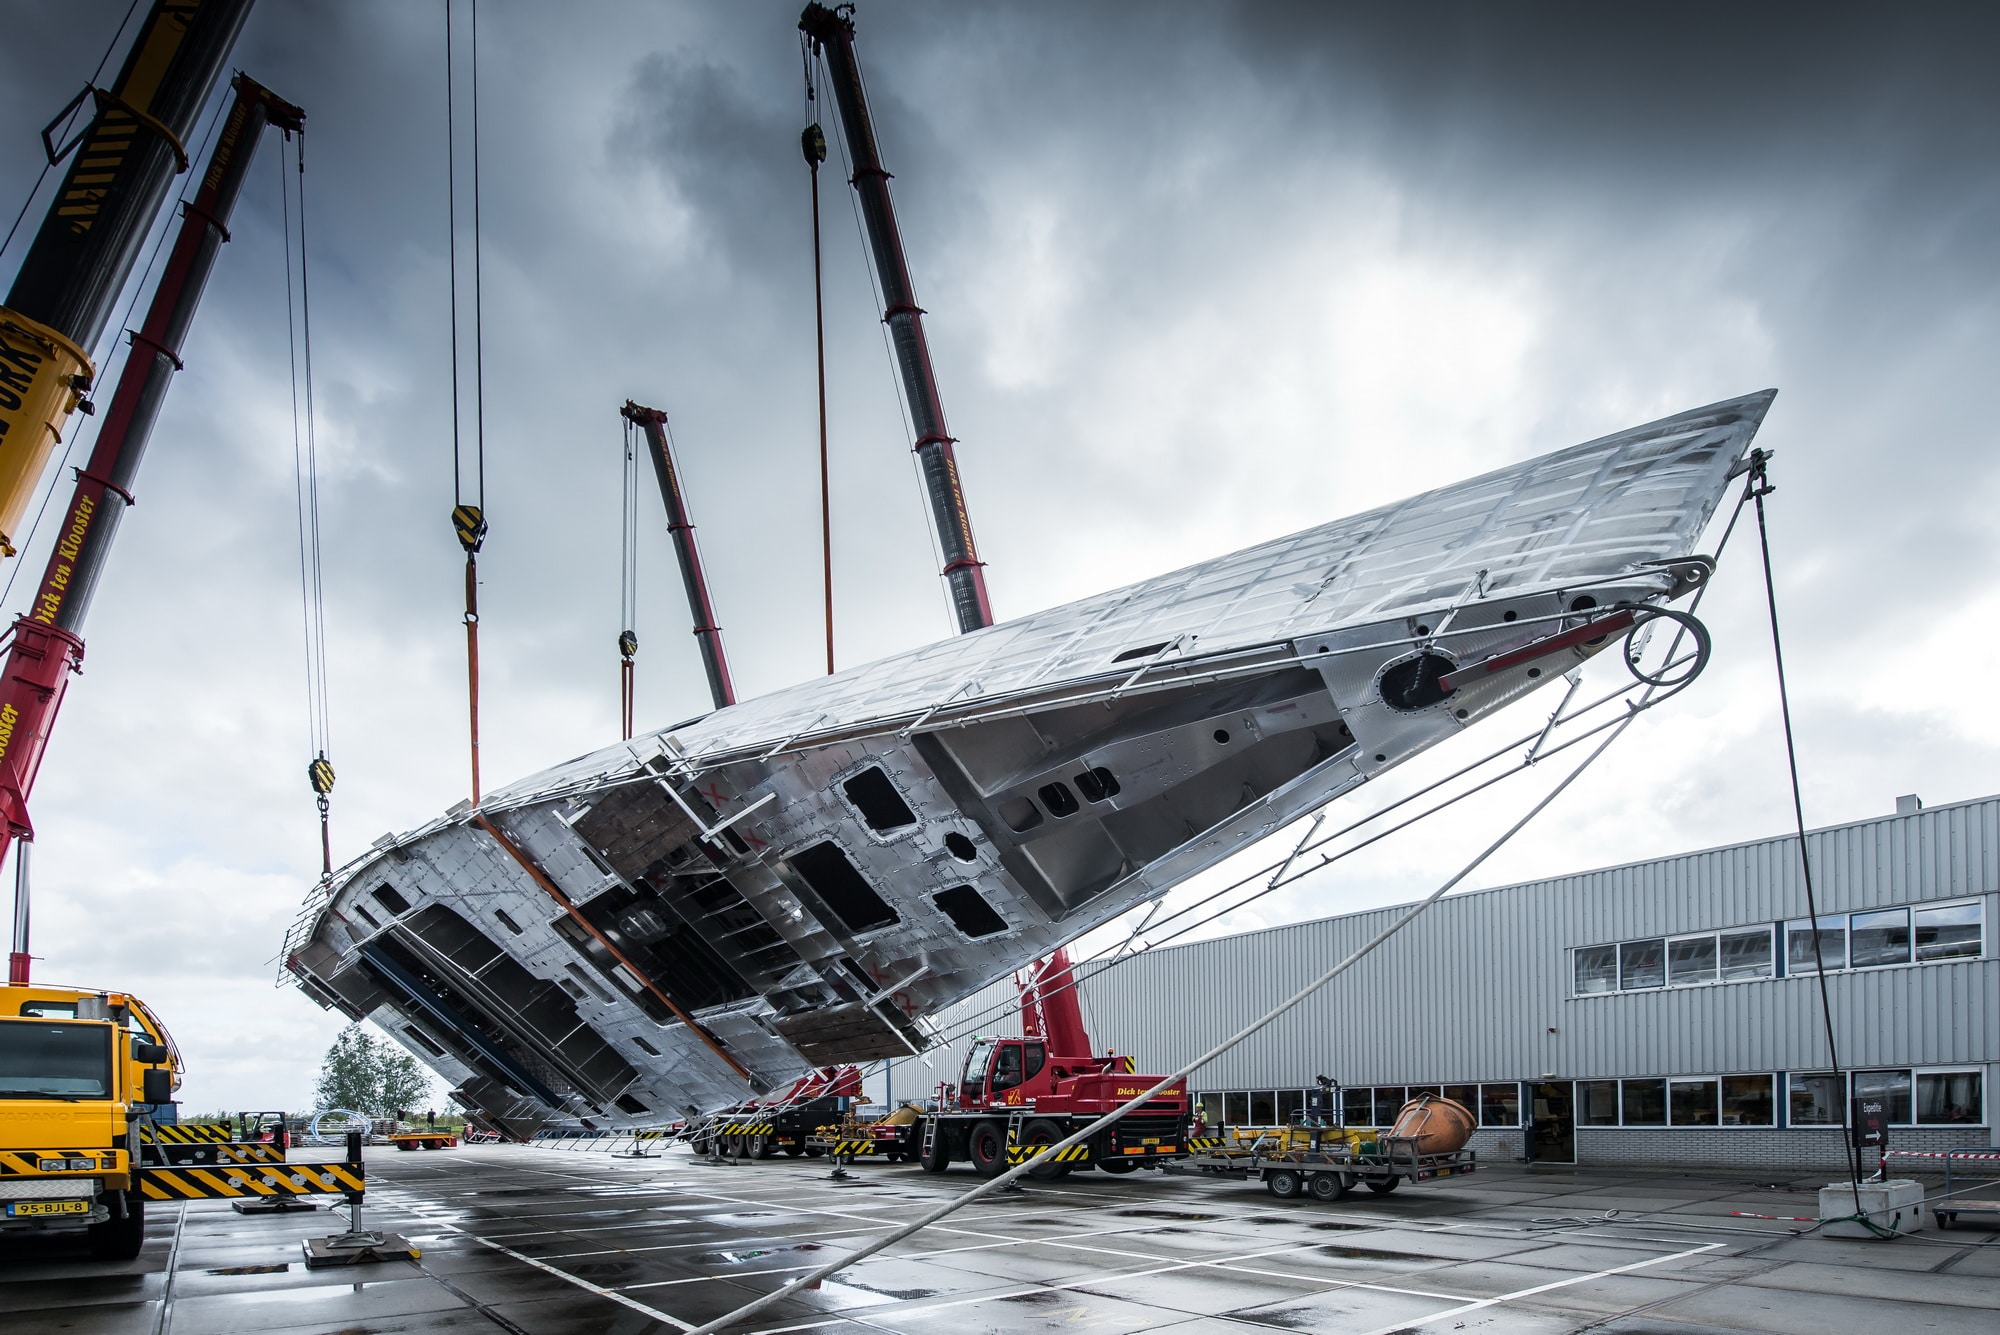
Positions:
(1198, 275)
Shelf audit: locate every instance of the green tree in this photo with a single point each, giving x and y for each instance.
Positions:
(370, 1075)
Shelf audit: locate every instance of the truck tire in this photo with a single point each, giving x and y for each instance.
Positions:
(986, 1146)
(1385, 1186)
(938, 1157)
(119, 1239)
(1327, 1186)
(1042, 1132)
(1283, 1183)
(761, 1147)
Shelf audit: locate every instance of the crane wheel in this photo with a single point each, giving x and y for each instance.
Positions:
(1036, 1134)
(761, 1147)
(1385, 1186)
(120, 1239)
(987, 1148)
(938, 1157)
(1283, 1183)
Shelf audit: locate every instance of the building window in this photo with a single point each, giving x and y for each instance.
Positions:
(1597, 1103)
(1693, 1103)
(1799, 954)
(1746, 954)
(1749, 1100)
(1465, 1096)
(1878, 938)
(1892, 1087)
(1596, 969)
(1262, 1110)
(1816, 1100)
(1645, 1102)
(1691, 961)
(1389, 1101)
(1948, 932)
(1238, 1107)
(1291, 1103)
(1642, 964)
(1949, 1098)
(1211, 1110)
(1500, 1105)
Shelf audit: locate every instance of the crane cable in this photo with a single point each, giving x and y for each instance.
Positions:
(305, 482)
(468, 512)
(812, 142)
(628, 580)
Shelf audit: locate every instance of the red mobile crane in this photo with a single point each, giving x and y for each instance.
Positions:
(1016, 1095)
(46, 644)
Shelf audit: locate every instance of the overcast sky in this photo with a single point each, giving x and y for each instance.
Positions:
(1197, 275)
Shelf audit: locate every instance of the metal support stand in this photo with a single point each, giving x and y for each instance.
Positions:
(357, 1246)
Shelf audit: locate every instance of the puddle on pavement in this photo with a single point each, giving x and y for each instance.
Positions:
(1167, 1214)
(278, 1269)
(1371, 1254)
(1332, 1227)
(753, 1254)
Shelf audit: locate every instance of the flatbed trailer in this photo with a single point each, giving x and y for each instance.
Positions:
(1290, 1168)
(896, 1138)
(423, 1140)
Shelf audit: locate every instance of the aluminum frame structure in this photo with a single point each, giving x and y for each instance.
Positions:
(807, 877)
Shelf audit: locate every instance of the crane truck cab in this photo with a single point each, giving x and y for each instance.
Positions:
(79, 1070)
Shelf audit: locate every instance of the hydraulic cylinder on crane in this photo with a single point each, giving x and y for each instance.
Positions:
(832, 32)
(46, 647)
(77, 264)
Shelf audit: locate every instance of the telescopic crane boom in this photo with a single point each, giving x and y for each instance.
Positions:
(46, 647)
(79, 260)
(832, 32)
(652, 423)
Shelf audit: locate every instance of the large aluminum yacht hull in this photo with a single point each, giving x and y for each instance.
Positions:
(803, 878)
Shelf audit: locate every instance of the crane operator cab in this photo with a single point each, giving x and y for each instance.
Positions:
(1002, 1071)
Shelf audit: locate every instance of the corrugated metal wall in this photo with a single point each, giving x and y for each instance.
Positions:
(1473, 989)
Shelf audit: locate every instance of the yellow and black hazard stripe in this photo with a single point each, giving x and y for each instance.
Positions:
(187, 1133)
(1200, 1143)
(44, 1162)
(848, 1148)
(654, 1134)
(748, 1129)
(189, 1183)
(1023, 1153)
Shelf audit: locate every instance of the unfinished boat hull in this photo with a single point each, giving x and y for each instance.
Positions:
(803, 878)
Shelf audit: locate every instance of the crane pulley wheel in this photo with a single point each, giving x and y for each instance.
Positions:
(320, 775)
(812, 141)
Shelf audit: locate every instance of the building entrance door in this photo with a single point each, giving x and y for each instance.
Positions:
(1553, 1137)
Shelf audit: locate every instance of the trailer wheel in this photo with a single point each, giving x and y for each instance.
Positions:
(1327, 1186)
(1385, 1186)
(938, 1157)
(1282, 1183)
(986, 1146)
(119, 1239)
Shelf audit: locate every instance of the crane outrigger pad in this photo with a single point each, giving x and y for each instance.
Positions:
(809, 877)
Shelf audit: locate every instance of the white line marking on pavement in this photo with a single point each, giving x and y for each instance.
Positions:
(1462, 1309)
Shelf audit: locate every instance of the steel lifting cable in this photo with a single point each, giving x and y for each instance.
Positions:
(812, 1278)
(628, 580)
(305, 483)
(812, 143)
(1756, 489)
(468, 512)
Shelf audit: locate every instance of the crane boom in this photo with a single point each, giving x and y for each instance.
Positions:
(46, 644)
(653, 424)
(832, 32)
(80, 258)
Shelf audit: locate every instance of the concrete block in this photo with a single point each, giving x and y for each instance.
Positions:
(1897, 1204)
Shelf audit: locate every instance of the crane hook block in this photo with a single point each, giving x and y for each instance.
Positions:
(471, 526)
(320, 775)
(812, 140)
(628, 643)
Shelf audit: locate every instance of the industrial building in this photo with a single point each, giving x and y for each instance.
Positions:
(1662, 1012)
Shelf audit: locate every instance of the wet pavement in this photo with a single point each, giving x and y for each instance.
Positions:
(551, 1242)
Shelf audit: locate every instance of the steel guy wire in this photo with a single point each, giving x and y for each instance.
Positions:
(813, 1278)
